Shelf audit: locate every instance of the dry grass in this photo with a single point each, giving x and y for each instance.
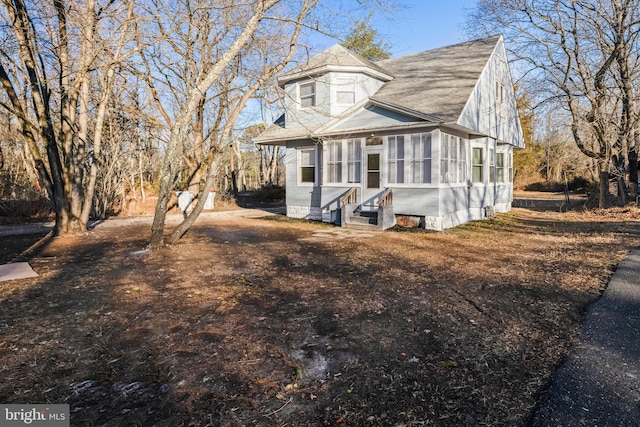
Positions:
(242, 323)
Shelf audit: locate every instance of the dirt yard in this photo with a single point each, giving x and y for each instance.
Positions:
(273, 322)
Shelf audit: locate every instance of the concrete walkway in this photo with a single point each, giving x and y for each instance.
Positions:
(599, 383)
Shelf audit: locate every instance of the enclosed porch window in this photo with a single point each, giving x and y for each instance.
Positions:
(354, 160)
(453, 159)
(334, 162)
(500, 166)
(395, 159)
(476, 164)
(420, 158)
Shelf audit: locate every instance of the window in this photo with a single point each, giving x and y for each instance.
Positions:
(307, 94)
(476, 165)
(395, 159)
(334, 162)
(453, 159)
(307, 168)
(345, 90)
(444, 158)
(500, 167)
(420, 158)
(462, 161)
(373, 140)
(492, 167)
(373, 170)
(510, 160)
(354, 160)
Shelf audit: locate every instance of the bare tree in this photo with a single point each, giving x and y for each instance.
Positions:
(243, 25)
(67, 56)
(573, 52)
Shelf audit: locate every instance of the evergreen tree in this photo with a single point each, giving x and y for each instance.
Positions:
(364, 40)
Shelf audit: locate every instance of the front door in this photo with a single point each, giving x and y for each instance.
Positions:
(372, 182)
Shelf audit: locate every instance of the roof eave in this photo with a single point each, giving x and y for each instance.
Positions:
(308, 74)
(406, 111)
(281, 142)
(373, 129)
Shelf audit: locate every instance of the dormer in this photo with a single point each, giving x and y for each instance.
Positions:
(327, 85)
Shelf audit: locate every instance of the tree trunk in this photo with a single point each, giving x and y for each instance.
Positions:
(172, 157)
(183, 227)
(603, 194)
(633, 172)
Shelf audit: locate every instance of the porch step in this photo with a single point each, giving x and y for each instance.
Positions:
(364, 217)
(363, 220)
(362, 227)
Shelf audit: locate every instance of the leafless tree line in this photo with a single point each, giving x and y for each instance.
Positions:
(100, 98)
(579, 61)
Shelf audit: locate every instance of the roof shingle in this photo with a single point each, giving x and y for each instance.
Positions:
(436, 82)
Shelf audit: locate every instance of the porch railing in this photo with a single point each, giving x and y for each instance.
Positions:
(350, 197)
(386, 199)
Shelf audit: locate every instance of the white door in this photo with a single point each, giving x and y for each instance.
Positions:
(372, 179)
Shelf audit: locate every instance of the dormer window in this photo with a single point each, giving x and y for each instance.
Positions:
(345, 90)
(307, 94)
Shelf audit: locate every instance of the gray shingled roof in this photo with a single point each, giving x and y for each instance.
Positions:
(436, 82)
(336, 56)
(434, 85)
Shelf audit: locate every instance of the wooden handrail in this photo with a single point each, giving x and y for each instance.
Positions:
(386, 199)
(349, 197)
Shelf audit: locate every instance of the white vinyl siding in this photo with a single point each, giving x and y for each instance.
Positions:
(500, 98)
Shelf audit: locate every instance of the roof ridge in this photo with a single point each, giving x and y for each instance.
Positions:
(334, 56)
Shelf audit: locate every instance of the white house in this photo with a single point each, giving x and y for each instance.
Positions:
(428, 136)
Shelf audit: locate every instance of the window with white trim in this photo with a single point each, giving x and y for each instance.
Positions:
(453, 159)
(395, 159)
(354, 160)
(462, 161)
(476, 164)
(492, 166)
(307, 165)
(510, 160)
(345, 90)
(444, 158)
(334, 162)
(307, 94)
(420, 158)
(500, 166)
